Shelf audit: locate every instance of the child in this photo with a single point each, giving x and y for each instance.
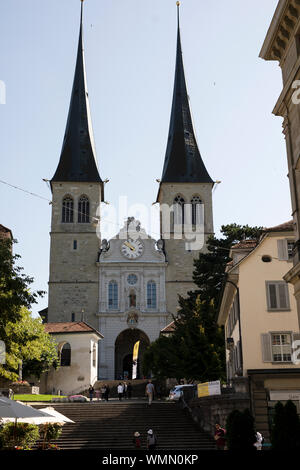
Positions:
(136, 440)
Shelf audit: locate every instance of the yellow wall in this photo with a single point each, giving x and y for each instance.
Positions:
(255, 317)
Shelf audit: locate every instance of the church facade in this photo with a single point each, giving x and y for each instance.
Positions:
(127, 288)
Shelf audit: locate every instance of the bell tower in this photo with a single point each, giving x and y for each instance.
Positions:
(77, 191)
(185, 192)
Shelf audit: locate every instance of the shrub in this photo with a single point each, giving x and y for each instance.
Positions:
(240, 432)
(285, 432)
(53, 432)
(19, 435)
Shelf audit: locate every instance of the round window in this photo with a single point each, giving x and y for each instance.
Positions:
(132, 279)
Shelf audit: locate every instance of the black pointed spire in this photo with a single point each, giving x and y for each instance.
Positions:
(78, 157)
(183, 162)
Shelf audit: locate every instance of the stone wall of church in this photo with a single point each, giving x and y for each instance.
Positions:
(112, 325)
(73, 281)
(179, 272)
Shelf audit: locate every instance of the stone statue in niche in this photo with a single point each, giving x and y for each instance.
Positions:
(132, 299)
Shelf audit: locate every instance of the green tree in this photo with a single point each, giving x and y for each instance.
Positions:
(28, 345)
(14, 286)
(25, 339)
(196, 349)
(285, 432)
(240, 431)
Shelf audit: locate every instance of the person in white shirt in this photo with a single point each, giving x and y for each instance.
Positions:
(150, 391)
(120, 391)
(259, 441)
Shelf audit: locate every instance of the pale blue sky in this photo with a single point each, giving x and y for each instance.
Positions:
(130, 57)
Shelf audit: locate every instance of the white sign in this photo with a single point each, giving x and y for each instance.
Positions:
(285, 395)
(209, 388)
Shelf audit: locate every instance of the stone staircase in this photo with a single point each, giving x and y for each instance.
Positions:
(111, 425)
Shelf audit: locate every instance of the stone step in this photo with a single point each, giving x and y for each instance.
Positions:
(99, 426)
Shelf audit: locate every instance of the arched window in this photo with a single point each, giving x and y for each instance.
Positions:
(83, 210)
(151, 294)
(67, 210)
(65, 355)
(178, 211)
(197, 210)
(113, 300)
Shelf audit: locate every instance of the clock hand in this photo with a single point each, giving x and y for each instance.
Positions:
(129, 246)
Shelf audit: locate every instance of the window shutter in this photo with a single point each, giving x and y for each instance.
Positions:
(238, 347)
(282, 250)
(272, 296)
(283, 296)
(266, 347)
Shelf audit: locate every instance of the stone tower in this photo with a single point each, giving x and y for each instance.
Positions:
(77, 191)
(185, 188)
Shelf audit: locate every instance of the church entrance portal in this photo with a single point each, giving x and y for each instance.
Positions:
(124, 350)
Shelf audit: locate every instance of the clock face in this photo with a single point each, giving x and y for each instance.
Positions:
(132, 249)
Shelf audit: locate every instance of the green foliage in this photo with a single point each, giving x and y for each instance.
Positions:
(27, 341)
(24, 337)
(210, 267)
(19, 435)
(53, 431)
(285, 432)
(240, 431)
(14, 286)
(196, 349)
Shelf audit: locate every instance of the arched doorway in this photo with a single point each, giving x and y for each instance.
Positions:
(124, 349)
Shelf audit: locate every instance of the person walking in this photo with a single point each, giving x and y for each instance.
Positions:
(125, 390)
(259, 441)
(120, 391)
(150, 391)
(98, 393)
(91, 392)
(137, 440)
(129, 390)
(151, 441)
(107, 391)
(220, 437)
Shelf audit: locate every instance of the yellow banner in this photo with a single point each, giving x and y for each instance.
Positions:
(203, 390)
(136, 351)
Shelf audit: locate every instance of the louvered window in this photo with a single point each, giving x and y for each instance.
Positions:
(277, 295)
(67, 210)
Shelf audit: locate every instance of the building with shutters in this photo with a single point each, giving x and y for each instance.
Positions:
(259, 313)
(282, 45)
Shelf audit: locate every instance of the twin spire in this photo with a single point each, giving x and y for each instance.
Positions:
(183, 162)
(78, 156)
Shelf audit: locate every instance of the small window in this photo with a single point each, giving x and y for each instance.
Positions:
(113, 295)
(151, 294)
(290, 249)
(73, 317)
(281, 347)
(65, 355)
(277, 295)
(74, 244)
(132, 279)
(197, 211)
(67, 210)
(83, 210)
(178, 211)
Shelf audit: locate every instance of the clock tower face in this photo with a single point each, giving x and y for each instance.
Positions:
(132, 249)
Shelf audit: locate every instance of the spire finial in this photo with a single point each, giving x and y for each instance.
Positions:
(178, 5)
